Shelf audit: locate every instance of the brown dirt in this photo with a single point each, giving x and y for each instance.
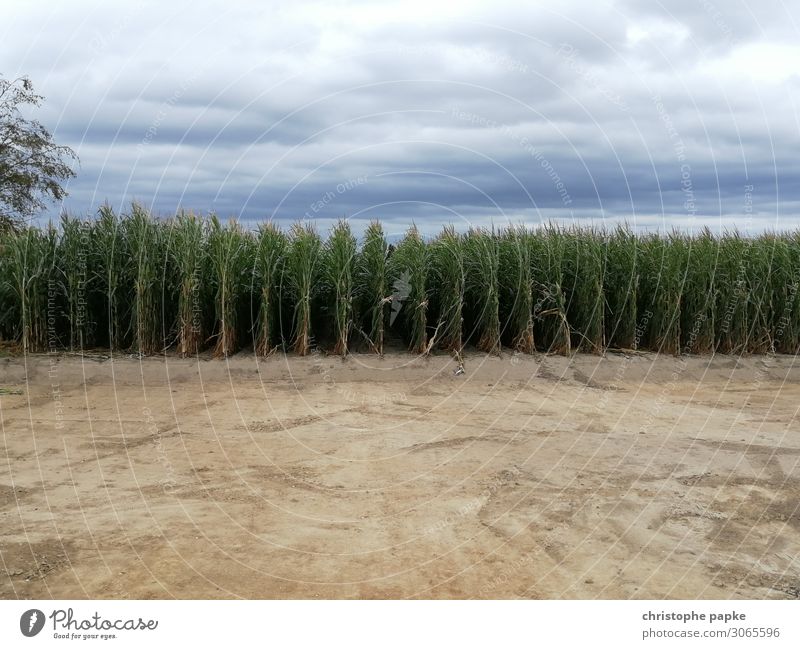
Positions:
(618, 477)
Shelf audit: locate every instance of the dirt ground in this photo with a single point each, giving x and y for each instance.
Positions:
(629, 476)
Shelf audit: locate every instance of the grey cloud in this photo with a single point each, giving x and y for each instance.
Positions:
(479, 114)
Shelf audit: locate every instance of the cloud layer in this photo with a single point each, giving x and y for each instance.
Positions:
(661, 114)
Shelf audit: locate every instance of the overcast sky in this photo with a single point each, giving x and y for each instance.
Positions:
(678, 113)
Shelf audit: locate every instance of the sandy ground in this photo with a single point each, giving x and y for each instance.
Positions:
(526, 477)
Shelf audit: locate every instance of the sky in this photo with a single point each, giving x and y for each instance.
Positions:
(659, 114)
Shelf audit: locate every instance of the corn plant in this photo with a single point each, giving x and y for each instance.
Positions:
(620, 285)
(550, 309)
(732, 321)
(189, 258)
(699, 294)
(9, 315)
(584, 267)
(409, 275)
(447, 273)
(758, 277)
(663, 279)
(302, 275)
(110, 261)
(373, 285)
(31, 284)
(268, 270)
(125, 281)
(145, 240)
(482, 264)
(517, 288)
(785, 274)
(339, 268)
(229, 256)
(73, 280)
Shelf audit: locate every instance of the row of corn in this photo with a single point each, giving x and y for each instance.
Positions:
(144, 285)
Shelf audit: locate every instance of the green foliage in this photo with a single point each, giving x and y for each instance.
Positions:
(339, 269)
(110, 257)
(30, 284)
(303, 270)
(620, 284)
(146, 246)
(229, 254)
(268, 269)
(733, 321)
(74, 281)
(32, 166)
(663, 278)
(372, 279)
(699, 294)
(550, 309)
(139, 283)
(409, 275)
(517, 286)
(447, 272)
(189, 259)
(785, 289)
(482, 264)
(584, 268)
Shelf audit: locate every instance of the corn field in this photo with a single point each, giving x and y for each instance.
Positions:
(187, 285)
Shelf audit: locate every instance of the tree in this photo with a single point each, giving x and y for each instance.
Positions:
(32, 166)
